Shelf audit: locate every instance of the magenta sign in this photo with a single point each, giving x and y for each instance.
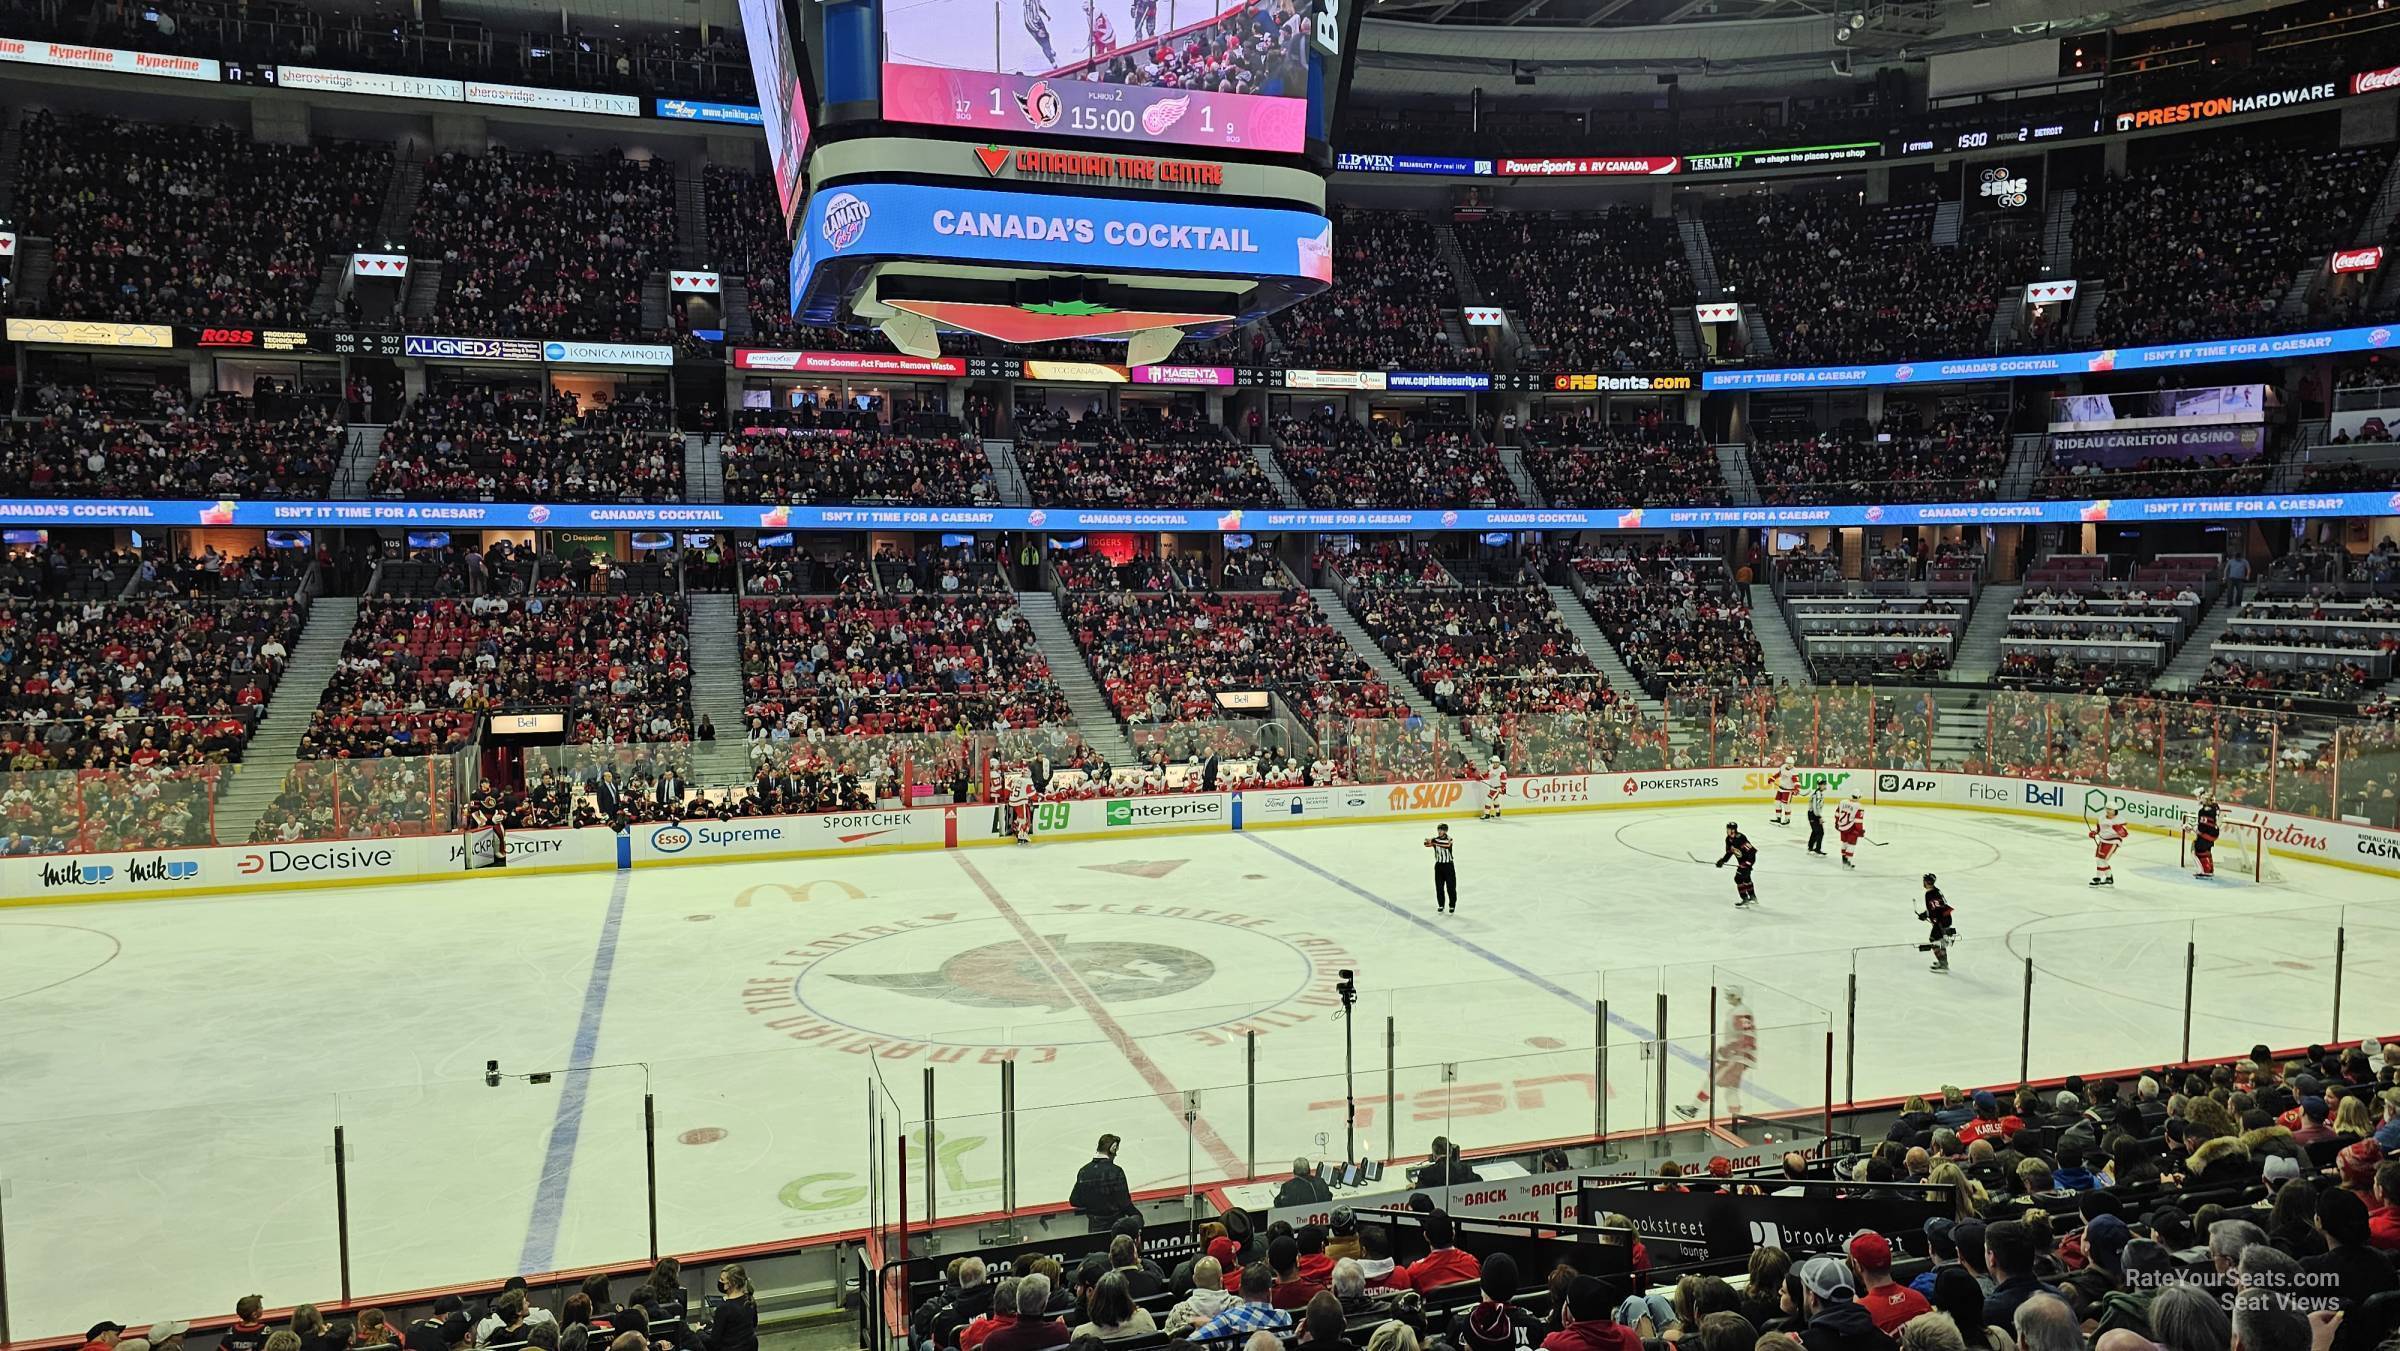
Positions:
(1183, 375)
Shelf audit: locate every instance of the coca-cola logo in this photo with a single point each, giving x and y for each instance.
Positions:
(2369, 81)
(2358, 260)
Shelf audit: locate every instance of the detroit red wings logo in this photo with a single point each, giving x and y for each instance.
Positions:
(1041, 105)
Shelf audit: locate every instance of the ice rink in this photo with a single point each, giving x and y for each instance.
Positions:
(176, 1070)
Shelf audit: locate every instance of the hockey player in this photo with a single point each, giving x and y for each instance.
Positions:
(2108, 835)
(1020, 809)
(1745, 856)
(1816, 818)
(2204, 838)
(1850, 823)
(1787, 787)
(1937, 912)
(1495, 787)
(1736, 1053)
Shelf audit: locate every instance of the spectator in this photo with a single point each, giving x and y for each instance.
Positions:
(1589, 1321)
(1887, 1302)
(1836, 1320)
(1252, 1314)
(1494, 1322)
(2010, 1250)
(1112, 1314)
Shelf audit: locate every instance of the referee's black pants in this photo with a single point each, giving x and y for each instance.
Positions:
(1445, 887)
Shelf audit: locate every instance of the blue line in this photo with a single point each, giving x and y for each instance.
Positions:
(1534, 978)
(550, 1198)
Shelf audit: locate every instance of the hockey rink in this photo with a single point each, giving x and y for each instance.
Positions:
(177, 1070)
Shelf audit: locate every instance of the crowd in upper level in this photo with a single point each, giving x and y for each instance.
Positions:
(542, 245)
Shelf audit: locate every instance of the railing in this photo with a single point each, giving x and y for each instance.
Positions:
(693, 1152)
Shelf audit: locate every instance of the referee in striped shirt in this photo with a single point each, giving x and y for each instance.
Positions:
(1445, 872)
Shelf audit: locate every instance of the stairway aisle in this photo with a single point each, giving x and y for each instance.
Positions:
(717, 690)
(1977, 658)
(1512, 459)
(1364, 644)
(251, 788)
(2190, 661)
(703, 468)
(1601, 652)
(1285, 493)
(1095, 721)
(1776, 642)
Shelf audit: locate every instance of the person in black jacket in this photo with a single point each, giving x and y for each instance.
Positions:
(1101, 1194)
(1303, 1187)
(734, 1325)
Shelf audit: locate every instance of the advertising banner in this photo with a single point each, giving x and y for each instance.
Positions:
(2125, 447)
(1078, 372)
(1624, 382)
(847, 363)
(2214, 404)
(1356, 163)
(692, 110)
(2004, 189)
(1725, 312)
(610, 353)
(2323, 342)
(317, 80)
(553, 100)
(2375, 81)
(1590, 166)
(1484, 316)
(90, 333)
(683, 282)
(113, 60)
(393, 265)
(1444, 382)
(1721, 160)
(1358, 380)
(2209, 109)
(908, 220)
(434, 347)
(2356, 260)
(2049, 292)
(1183, 375)
(1730, 1224)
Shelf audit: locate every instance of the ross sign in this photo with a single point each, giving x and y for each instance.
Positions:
(694, 283)
(846, 363)
(253, 339)
(610, 353)
(1094, 234)
(1099, 167)
(553, 100)
(1183, 375)
(1483, 316)
(393, 265)
(2205, 110)
(2323, 342)
(1355, 163)
(436, 348)
(1726, 312)
(317, 80)
(1590, 166)
(2049, 292)
(1623, 383)
(113, 60)
(2357, 260)
(90, 333)
(1720, 160)
(692, 110)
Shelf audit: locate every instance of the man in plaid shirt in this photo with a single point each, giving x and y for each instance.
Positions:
(1253, 1314)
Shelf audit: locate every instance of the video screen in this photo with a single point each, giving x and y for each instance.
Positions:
(1167, 72)
(782, 97)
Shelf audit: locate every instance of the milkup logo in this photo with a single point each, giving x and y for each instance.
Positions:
(76, 874)
(1566, 788)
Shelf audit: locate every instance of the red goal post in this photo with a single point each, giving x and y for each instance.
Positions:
(2242, 852)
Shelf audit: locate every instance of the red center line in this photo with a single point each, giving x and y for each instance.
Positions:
(1169, 1095)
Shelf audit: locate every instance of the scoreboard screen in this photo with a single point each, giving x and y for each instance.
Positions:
(778, 66)
(1227, 74)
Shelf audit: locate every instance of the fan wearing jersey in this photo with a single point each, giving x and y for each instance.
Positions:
(1787, 787)
(1850, 823)
(1744, 856)
(2108, 835)
(1736, 1053)
(2204, 838)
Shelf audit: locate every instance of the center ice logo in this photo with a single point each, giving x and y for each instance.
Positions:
(1005, 975)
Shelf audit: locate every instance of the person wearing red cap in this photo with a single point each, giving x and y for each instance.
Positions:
(1720, 1166)
(1888, 1302)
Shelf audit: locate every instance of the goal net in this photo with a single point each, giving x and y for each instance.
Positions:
(2242, 853)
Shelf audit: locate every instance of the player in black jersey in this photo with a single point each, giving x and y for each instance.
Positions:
(1445, 871)
(1745, 856)
(1937, 912)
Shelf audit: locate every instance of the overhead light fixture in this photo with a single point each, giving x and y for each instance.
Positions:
(1858, 20)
